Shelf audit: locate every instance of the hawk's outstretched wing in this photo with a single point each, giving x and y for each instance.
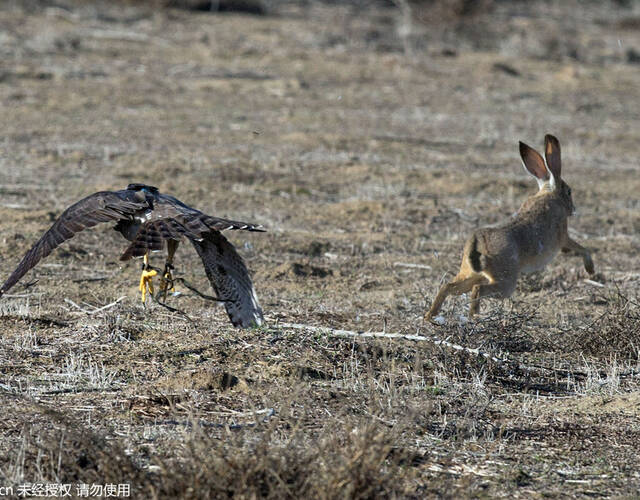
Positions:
(99, 207)
(230, 279)
(171, 220)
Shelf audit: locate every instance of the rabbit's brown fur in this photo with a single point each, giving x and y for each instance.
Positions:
(494, 257)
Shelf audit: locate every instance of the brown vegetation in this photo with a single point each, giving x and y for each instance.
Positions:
(370, 144)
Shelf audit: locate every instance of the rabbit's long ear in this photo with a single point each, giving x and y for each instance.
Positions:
(535, 165)
(552, 154)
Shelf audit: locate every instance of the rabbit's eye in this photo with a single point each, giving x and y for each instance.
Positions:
(569, 191)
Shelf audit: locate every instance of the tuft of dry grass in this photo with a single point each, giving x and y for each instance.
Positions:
(48, 446)
(342, 462)
(616, 332)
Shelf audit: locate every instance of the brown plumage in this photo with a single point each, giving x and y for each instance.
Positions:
(228, 276)
(148, 219)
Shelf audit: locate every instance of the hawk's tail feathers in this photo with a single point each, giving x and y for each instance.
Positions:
(230, 279)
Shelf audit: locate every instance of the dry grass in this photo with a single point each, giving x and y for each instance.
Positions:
(616, 333)
(352, 462)
(369, 148)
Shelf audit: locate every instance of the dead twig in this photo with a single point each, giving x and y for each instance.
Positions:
(411, 266)
(593, 283)
(512, 364)
(267, 412)
(93, 278)
(120, 35)
(97, 310)
(348, 333)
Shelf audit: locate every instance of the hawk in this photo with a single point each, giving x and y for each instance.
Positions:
(148, 219)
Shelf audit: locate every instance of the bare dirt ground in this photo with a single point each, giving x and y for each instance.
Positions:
(369, 141)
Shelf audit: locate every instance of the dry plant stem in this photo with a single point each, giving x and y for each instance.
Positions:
(348, 333)
(99, 309)
(267, 412)
(439, 342)
(411, 266)
(125, 36)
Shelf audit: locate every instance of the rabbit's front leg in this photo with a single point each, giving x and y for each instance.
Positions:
(573, 246)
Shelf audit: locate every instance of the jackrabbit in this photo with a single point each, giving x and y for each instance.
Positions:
(493, 257)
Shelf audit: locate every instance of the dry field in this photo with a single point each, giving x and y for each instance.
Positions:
(369, 140)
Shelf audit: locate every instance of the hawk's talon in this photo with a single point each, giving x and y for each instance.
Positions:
(146, 282)
(166, 282)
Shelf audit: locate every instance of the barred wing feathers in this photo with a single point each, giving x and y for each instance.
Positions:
(168, 223)
(99, 207)
(230, 279)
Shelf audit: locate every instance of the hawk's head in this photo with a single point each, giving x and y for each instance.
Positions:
(142, 187)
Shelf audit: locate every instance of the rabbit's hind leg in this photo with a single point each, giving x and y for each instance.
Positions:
(500, 289)
(456, 287)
